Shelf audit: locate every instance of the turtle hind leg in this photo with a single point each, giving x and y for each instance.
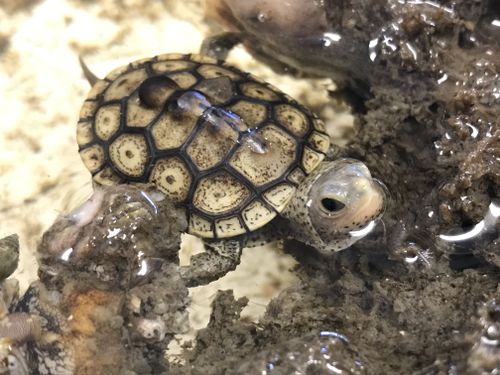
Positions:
(219, 258)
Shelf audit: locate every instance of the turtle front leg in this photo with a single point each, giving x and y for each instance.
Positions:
(218, 46)
(218, 259)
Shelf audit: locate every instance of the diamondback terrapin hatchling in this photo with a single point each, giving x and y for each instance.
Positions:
(243, 158)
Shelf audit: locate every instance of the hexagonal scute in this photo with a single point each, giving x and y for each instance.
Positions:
(292, 118)
(220, 193)
(319, 125)
(184, 80)
(272, 164)
(88, 109)
(296, 176)
(129, 153)
(211, 145)
(92, 157)
(251, 113)
(311, 159)
(217, 90)
(172, 129)
(107, 177)
(256, 215)
(117, 72)
(107, 121)
(229, 227)
(258, 91)
(279, 195)
(139, 116)
(202, 59)
(172, 177)
(97, 89)
(199, 226)
(171, 66)
(319, 141)
(84, 133)
(212, 71)
(124, 85)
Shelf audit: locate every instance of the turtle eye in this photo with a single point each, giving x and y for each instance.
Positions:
(332, 205)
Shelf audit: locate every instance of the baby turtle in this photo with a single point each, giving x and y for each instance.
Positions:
(243, 158)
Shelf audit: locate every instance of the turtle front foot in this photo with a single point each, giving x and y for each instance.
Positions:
(218, 46)
(218, 259)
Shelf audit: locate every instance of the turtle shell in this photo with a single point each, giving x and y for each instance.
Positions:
(132, 128)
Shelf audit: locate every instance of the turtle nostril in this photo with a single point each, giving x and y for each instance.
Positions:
(332, 205)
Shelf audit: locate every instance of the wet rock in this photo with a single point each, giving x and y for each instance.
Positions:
(9, 255)
(324, 353)
(223, 344)
(110, 295)
(484, 357)
(398, 317)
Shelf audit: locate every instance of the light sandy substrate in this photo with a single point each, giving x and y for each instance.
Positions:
(42, 88)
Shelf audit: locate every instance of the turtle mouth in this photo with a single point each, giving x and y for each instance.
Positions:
(384, 194)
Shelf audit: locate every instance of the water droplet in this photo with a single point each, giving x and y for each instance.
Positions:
(364, 231)
(66, 255)
(329, 38)
(145, 269)
(487, 224)
(442, 79)
(229, 124)
(255, 141)
(262, 17)
(193, 102)
(474, 130)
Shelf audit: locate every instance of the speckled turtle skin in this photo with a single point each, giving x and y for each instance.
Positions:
(227, 189)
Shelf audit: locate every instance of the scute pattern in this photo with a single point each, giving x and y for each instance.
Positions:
(252, 113)
(93, 157)
(125, 85)
(109, 119)
(171, 176)
(170, 131)
(261, 169)
(227, 188)
(258, 91)
(137, 115)
(220, 193)
(210, 146)
(292, 118)
(278, 196)
(129, 152)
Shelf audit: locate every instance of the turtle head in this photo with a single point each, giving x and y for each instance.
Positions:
(337, 205)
